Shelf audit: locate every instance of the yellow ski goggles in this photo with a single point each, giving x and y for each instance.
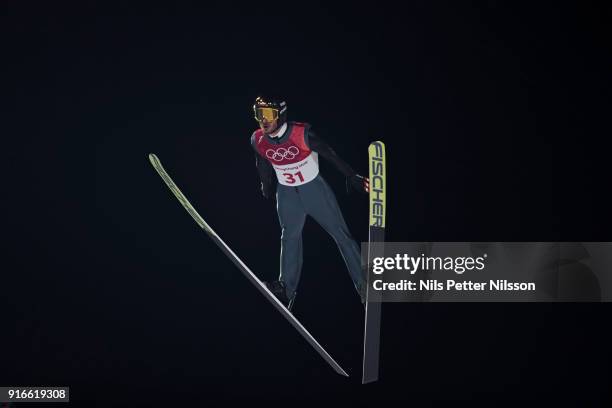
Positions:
(267, 114)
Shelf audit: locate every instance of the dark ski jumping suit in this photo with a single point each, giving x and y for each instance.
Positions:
(302, 191)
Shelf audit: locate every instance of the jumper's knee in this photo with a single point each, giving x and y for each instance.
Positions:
(290, 235)
(340, 235)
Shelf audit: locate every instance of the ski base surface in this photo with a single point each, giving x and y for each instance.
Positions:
(378, 189)
(242, 267)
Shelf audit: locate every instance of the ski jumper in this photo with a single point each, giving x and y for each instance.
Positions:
(301, 191)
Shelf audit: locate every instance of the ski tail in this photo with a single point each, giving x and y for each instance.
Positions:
(377, 219)
(242, 266)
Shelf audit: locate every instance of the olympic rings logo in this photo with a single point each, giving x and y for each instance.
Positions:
(281, 153)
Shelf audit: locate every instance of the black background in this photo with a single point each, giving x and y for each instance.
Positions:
(495, 117)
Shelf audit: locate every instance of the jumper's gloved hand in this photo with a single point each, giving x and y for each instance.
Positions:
(359, 183)
(266, 189)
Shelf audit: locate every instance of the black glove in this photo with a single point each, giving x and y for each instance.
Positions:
(266, 189)
(358, 183)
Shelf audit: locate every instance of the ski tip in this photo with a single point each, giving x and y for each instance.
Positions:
(153, 159)
(341, 371)
(368, 380)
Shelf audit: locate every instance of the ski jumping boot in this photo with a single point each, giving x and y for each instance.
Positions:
(278, 289)
(363, 292)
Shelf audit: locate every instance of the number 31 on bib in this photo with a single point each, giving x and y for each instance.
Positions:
(296, 174)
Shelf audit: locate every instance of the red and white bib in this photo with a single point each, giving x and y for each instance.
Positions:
(295, 164)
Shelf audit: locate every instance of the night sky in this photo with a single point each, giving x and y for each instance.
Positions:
(495, 117)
